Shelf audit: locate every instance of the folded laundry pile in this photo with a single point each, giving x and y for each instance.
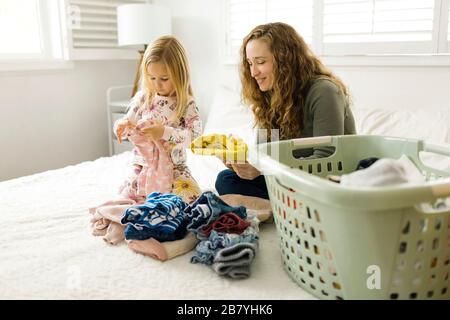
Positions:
(228, 235)
(224, 234)
(155, 228)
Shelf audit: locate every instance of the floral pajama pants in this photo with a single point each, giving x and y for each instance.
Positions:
(184, 185)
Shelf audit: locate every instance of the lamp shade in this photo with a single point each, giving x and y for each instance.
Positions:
(140, 24)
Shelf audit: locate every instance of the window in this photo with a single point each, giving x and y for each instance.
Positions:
(243, 15)
(24, 19)
(447, 10)
(377, 26)
(93, 25)
(31, 30)
(448, 29)
(349, 27)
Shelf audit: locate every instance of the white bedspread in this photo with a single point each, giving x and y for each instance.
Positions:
(47, 251)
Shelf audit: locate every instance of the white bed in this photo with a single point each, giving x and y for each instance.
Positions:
(47, 251)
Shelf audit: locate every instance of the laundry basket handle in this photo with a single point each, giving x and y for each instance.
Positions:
(441, 187)
(302, 143)
(312, 142)
(426, 208)
(268, 166)
(438, 149)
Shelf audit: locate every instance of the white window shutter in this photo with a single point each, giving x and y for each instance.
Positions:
(298, 14)
(377, 26)
(94, 22)
(448, 28)
(349, 27)
(244, 15)
(442, 26)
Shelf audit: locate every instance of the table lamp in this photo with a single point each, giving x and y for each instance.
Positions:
(139, 25)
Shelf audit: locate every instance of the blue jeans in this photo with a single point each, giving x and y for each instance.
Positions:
(228, 182)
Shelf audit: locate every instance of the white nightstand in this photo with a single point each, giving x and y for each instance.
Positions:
(117, 102)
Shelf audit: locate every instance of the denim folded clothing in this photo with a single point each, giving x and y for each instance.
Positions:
(161, 216)
(206, 209)
(206, 250)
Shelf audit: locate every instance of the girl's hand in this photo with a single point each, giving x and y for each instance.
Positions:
(245, 171)
(121, 125)
(154, 132)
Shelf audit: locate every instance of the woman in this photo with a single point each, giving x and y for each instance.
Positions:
(289, 89)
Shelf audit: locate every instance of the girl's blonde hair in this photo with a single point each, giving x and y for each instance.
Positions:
(169, 51)
(294, 68)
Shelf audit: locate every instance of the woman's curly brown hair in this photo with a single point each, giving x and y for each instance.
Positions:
(295, 68)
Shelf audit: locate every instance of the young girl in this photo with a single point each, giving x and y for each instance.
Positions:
(161, 122)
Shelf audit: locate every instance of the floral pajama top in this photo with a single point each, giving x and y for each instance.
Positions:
(177, 136)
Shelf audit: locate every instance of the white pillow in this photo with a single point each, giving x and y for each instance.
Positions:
(430, 125)
(427, 124)
(228, 116)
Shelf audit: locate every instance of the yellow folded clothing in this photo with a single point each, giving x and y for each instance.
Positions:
(226, 148)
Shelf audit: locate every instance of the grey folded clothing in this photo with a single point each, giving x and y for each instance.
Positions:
(235, 261)
(232, 272)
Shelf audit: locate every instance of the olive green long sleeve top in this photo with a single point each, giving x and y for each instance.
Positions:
(327, 113)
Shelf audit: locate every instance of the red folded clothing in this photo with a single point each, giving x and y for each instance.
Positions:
(227, 223)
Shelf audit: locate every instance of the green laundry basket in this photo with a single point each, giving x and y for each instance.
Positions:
(340, 242)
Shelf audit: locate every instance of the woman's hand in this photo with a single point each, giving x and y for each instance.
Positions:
(226, 163)
(154, 132)
(121, 125)
(245, 171)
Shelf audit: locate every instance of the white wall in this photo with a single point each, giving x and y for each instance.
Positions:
(398, 87)
(50, 119)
